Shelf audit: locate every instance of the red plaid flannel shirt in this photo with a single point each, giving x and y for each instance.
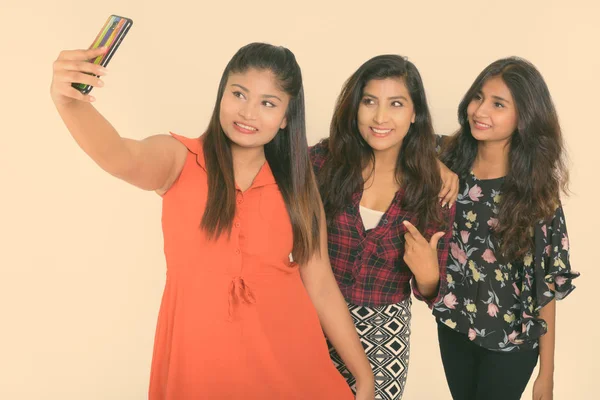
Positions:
(369, 265)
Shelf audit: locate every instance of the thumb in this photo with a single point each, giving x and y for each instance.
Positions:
(435, 239)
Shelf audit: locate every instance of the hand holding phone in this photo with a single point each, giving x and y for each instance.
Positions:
(76, 72)
(110, 36)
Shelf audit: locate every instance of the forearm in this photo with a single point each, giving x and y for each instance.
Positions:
(428, 284)
(547, 341)
(96, 136)
(339, 328)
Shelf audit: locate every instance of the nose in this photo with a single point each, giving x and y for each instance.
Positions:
(482, 110)
(248, 111)
(380, 116)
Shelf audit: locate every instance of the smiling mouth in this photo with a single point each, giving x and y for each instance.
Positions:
(245, 127)
(380, 132)
(481, 125)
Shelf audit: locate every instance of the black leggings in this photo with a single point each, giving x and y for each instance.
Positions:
(475, 373)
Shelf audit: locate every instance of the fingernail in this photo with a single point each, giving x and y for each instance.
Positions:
(92, 98)
(443, 204)
(100, 83)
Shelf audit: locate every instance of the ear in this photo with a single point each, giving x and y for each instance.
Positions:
(412, 120)
(283, 123)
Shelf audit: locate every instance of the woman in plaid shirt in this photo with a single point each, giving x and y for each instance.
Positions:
(379, 181)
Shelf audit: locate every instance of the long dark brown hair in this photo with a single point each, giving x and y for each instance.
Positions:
(536, 163)
(287, 154)
(416, 168)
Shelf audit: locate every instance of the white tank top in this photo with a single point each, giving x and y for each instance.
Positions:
(370, 218)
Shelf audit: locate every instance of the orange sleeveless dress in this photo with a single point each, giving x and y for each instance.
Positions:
(235, 320)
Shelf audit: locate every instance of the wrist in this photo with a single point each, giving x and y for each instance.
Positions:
(62, 104)
(365, 381)
(365, 373)
(428, 280)
(546, 373)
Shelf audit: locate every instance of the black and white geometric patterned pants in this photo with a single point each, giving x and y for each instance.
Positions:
(385, 335)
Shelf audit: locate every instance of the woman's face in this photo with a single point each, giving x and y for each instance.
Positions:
(253, 108)
(492, 113)
(385, 113)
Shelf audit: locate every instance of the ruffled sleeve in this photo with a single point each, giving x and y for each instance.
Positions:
(552, 261)
(548, 264)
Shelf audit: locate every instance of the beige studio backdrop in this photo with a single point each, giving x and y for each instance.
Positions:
(81, 262)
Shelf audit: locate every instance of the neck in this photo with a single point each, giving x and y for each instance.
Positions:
(247, 157)
(386, 160)
(492, 159)
(384, 168)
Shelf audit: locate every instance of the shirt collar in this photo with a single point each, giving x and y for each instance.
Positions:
(263, 178)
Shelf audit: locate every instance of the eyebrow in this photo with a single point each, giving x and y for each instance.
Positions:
(500, 98)
(265, 96)
(389, 98)
(495, 97)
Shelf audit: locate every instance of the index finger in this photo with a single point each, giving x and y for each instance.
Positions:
(453, 194)
(449, 197)
(413, 231)
(445, 193)
(78, 55)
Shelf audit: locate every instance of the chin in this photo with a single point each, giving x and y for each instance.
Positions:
(383, 145)
(382, 148)
(478, 135)
(246, 141)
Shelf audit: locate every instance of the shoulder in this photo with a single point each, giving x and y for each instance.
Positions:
(193, 145)
(185, 150)
(189, 145)
(319, 153)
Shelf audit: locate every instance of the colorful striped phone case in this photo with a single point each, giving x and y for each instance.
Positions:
(111, 35)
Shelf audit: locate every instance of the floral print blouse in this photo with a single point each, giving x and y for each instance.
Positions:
(497, 305)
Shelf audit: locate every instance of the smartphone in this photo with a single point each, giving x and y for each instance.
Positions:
(111, 35)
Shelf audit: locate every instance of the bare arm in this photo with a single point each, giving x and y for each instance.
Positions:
(150, 164)
(335, 317)
(544, 384)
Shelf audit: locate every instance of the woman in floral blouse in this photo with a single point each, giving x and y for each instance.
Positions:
(509, 254)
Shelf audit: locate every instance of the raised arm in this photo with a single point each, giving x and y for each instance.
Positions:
(151, 164)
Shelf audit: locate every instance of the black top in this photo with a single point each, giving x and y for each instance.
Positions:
(497, 305)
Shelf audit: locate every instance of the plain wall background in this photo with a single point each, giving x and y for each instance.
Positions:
(81, 261)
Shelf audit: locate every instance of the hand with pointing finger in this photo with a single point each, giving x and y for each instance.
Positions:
(421, 257)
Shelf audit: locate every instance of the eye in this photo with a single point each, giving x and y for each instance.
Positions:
(477, 97)
(397, 104)
(498, 105)
(239, 95)
(268, 104)
(368, 101)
